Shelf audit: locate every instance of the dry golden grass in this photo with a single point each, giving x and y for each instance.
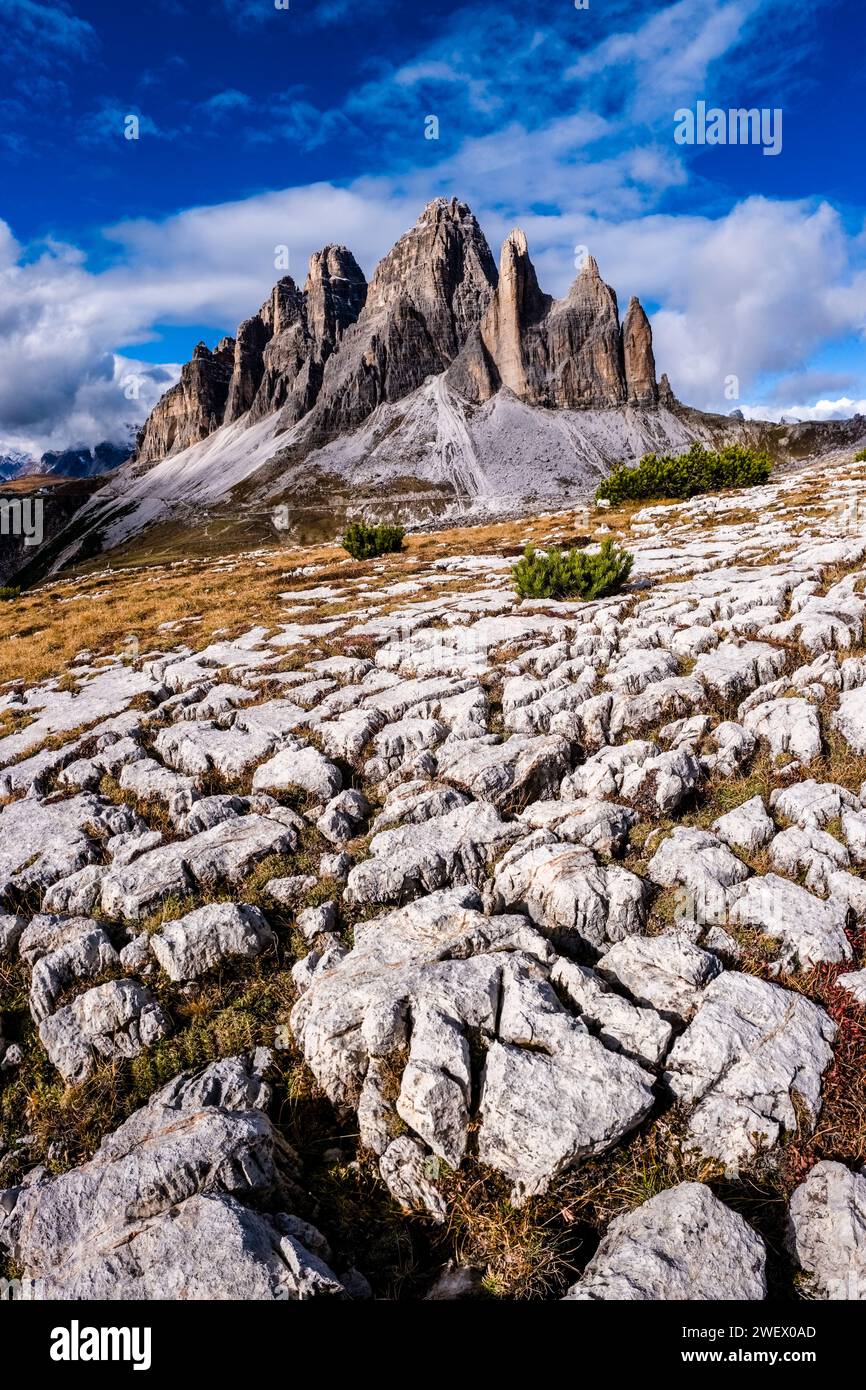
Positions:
(42, 631)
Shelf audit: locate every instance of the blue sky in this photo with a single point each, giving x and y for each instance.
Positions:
(262, 126)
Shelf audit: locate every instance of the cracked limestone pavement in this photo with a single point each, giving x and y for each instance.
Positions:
(511, 891)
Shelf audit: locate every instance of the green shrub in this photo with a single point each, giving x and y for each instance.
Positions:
(9, 591)
(572, 573)
(860, 456)
(684, 475)
(363, 541)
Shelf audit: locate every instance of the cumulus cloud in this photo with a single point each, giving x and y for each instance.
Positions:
(753, 293)
(62, 381)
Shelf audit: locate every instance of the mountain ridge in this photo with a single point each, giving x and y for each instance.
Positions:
(80, 462)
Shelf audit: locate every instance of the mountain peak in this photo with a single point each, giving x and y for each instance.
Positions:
(557, 353)
(516, 242)
(638, 359)
(452, 209)
(426, 297)
(517, 304)
(337, 349)
(334, 261)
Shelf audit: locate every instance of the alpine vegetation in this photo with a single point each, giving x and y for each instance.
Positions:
(561, 574)
(684, 475)
(365, 541)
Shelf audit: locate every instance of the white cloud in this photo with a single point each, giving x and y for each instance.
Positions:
(61, 379)
(841, 409)
(670, 56)
(61, 383)
(750, 294)
(672, 50)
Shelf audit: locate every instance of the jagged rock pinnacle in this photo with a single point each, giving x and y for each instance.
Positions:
(338, 349)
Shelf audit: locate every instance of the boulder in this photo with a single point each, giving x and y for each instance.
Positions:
(640, 1033)
(110, 1021)
(83, 956)
(827, 1231)
(191, 945)
(810, 930)
(750, 1051)
(681, 1245)
(42, 841)
(747, 827)
(170, 1205)
(564, 889)
(789, 726)
(301, 767)
(599, 825)
(227, 852)
(416, 985)
(854, 981)
(451, 849)
(508, 774)
(704, 868)
(666, 973)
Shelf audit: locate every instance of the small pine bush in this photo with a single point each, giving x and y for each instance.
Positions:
(860, 456)
(364, 541)
(685, 475)
(9, 591)
(560, 574)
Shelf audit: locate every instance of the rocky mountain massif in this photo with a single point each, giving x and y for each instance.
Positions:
(442, 386)
(424, 942)
(445, 388)
(435, 304)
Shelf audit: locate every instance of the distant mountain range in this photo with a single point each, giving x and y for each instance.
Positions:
(445, 388)
(66, 463)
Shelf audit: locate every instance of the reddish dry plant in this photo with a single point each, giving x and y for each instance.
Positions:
(840, 1133)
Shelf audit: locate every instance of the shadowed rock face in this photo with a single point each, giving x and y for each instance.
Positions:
(250, 343)
(276, 361)
(569, 352)
(425, 298)
(305, 330)
(286, 348)
(337, 350)
(193, 408)
(335, 294)
(638, 359)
